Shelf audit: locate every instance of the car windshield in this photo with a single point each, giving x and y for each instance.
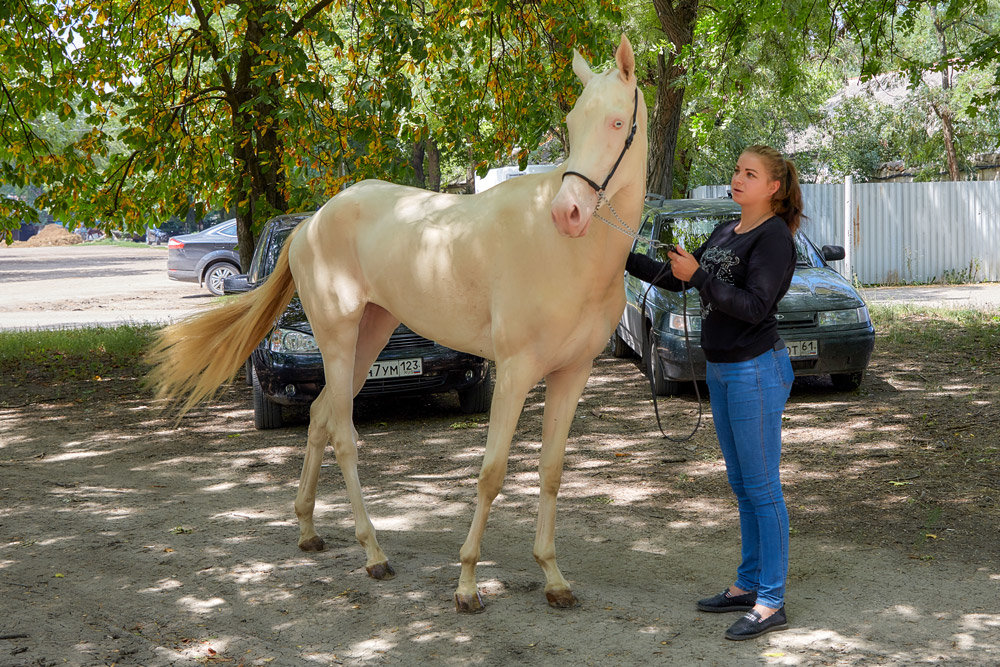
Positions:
(268, 251)
(692, 232)
(689, 233)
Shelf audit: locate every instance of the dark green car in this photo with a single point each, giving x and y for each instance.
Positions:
(822, 318)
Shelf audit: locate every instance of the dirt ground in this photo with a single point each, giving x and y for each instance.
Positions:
(126, 539)
(77, 285)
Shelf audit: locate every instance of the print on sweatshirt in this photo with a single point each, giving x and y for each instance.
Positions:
(719, 263)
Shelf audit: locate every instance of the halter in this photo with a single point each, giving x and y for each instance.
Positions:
(601, 189)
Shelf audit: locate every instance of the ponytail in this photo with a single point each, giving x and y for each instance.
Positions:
(787, 201)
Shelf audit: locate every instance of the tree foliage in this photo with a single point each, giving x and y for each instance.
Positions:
(263, 106)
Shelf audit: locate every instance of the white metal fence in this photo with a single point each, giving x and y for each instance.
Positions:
(905, 232)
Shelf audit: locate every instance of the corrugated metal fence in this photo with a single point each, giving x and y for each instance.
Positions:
(907, 232)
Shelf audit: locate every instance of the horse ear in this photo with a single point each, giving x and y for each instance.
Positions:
(581, 68)
(625, 57)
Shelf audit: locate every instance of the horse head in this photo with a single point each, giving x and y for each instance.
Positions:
(606, 120)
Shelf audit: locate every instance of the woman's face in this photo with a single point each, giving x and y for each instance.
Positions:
(752, 185)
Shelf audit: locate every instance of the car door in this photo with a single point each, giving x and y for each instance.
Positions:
(631, 330)
(225, 237)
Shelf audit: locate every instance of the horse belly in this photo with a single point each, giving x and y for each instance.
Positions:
(437, 294)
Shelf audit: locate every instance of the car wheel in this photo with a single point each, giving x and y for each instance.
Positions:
(266, 413)
(216, 274)
(654, 371)
(477, 398)
(619, 348)
(847, 381)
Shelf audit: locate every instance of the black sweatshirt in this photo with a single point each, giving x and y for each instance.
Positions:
(741, 279)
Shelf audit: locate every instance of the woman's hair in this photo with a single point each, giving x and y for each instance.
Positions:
(787, 200)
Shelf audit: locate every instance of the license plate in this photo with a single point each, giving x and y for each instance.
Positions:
(395, 368)
(798, 349)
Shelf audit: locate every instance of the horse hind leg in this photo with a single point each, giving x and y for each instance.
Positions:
(330, 421)
(305, 499)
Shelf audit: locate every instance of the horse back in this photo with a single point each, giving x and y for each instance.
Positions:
(479, 273)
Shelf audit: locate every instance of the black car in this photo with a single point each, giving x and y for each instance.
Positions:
(207, 257)
(286, 368)
(822, 318)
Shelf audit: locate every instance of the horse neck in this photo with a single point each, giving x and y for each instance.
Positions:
(610, 246)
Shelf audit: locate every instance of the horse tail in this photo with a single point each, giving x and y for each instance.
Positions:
(195, 356)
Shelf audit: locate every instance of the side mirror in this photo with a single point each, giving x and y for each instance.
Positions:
(833, 253)
(236, 284)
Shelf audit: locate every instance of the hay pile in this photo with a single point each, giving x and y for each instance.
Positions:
(50, 235)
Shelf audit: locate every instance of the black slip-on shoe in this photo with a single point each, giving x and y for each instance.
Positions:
(751, 625)
(726, 602)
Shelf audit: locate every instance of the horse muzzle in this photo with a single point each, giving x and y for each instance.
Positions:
(572, 209)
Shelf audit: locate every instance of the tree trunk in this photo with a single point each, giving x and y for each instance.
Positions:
(470, 175)
(259, 188)
(417, 161)
(433, 166)
(664, 128)
(943, 108)
(677, 19)
(948, 133)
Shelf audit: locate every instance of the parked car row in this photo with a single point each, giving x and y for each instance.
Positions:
(822, 318)
(286, 368)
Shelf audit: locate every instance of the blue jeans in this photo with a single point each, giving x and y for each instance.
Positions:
(747, 400)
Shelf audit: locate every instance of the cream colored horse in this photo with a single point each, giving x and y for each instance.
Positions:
(517, 274)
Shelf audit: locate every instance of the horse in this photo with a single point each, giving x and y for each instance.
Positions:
(517, 274)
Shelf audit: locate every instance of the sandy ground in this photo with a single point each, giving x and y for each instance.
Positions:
(91, 284)
(128, 539)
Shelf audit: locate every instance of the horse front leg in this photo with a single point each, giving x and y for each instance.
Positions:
(562, 393)
(512, 386)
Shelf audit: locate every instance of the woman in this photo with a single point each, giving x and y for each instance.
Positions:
(741, 272)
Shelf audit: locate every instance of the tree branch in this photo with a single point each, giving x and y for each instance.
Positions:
(206, 30)
(298, 25)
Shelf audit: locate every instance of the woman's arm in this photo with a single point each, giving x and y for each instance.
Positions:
(652, 271)
(660, 273)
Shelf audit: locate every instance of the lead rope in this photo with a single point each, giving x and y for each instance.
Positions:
(625, 229)
(687, 345)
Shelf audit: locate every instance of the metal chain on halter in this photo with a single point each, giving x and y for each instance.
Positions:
(620, 224)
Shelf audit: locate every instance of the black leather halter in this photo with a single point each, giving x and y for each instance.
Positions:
(628, 142)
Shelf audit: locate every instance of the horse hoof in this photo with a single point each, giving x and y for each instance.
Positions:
(561, 598)
(314, 543)
(469, 604)
(381, 571)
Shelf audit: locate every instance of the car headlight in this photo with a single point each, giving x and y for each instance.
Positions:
(292, 342)
(676, 323)
(836, 318)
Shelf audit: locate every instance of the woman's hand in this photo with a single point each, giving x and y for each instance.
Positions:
(682, 264)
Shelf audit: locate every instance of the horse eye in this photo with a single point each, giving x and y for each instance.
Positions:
(618, 123)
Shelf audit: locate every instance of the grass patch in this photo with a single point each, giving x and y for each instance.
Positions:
(124, 244)
(74, 354)
(925, 330)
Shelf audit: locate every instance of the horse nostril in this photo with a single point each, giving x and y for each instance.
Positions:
(574, 215)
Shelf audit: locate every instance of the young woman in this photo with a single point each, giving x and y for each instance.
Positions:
(741, 273)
